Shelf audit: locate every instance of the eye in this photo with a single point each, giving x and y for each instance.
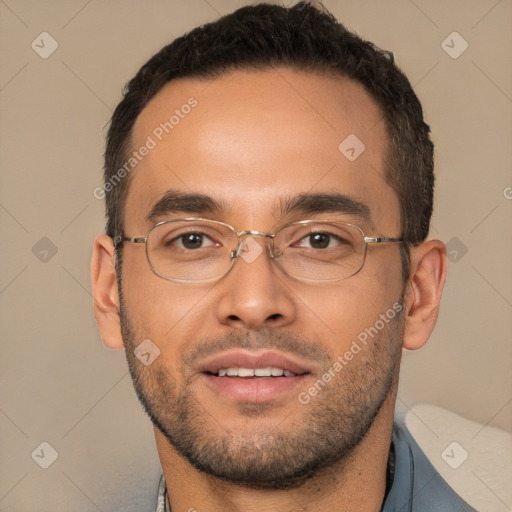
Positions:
(192, 241)
(321, 240)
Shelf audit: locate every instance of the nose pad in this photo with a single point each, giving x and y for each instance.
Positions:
(274, 253)
(250, 249)
(245, 244)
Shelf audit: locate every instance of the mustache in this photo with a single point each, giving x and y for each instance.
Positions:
(266, 338)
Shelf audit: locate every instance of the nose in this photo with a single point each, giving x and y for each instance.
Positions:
(255, 294)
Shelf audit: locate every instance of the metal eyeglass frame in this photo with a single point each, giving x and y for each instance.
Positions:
(120, 239)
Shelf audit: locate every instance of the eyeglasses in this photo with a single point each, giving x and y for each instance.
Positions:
(196, 250)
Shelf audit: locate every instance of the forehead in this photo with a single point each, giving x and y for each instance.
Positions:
(251, 139)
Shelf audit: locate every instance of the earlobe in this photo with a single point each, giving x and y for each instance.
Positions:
(423, 294)
(105, 292)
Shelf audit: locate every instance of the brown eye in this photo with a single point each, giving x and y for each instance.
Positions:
(192, 240)
(319, 240)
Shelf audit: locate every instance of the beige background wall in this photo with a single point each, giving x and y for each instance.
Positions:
(58, 384)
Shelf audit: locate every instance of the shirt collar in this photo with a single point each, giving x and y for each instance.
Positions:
(161, 502)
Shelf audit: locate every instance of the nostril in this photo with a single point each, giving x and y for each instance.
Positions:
(275, 316)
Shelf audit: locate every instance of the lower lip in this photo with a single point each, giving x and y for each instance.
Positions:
(260, 389)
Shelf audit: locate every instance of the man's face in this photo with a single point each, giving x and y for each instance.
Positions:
(253, 142)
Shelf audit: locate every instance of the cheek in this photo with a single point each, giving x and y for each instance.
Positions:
(339, 312)
(171, 315)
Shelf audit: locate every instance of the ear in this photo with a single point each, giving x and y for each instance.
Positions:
(105, 293)
(424, 290)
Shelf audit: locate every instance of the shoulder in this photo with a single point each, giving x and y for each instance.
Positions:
(417, 486)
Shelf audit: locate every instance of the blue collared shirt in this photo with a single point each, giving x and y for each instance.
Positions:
(417, 486)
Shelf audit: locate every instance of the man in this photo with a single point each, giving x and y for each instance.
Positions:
(269, 182)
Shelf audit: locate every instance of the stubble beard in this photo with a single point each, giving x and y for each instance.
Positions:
(331, 425)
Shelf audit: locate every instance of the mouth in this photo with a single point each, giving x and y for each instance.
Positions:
(247, 373)
(247, 376)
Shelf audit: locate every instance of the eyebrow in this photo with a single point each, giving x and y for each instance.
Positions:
(174, 201)
(326, 202)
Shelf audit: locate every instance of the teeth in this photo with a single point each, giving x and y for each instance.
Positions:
(257, 372)
(263, 372)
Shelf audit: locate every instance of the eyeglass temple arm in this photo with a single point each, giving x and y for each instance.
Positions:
(379, 239)
(118, 240)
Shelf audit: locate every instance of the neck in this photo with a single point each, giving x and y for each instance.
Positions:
(355, 484)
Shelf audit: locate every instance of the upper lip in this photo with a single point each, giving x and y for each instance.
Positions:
(252, 359)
